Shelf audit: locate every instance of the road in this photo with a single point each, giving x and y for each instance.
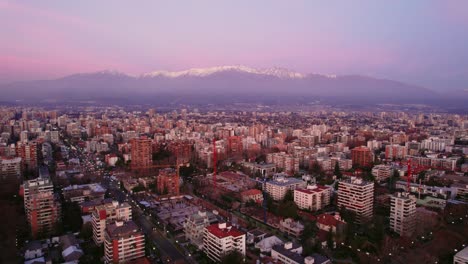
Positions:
(170, 253)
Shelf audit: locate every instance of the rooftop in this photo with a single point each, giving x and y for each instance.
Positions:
(122, 229)
(221, 232)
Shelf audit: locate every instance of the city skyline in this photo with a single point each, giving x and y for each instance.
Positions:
(419, 43)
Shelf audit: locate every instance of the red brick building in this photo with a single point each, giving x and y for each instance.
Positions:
(361, 156)
(141, 153)
(168, 182)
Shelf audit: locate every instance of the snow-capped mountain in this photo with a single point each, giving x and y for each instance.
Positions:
(203, 72)
(222, 84)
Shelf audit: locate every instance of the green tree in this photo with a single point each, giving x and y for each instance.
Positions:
(289, 196)
(138, 188)
(233, 257)
(86, 232)
(338, 173)
(71, 215)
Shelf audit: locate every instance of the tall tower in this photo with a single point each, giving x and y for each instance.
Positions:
(357, 196)
(403, 213)
(141, 153)
(42, 209)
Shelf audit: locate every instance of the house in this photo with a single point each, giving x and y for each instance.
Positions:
(328, 222)
(71, 251)
(265, 245)
(252, 195)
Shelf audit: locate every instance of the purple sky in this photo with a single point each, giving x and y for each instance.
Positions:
(419, 41)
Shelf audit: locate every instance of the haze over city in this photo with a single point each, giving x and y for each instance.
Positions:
(234, 132)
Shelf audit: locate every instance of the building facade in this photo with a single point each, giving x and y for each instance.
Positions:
(41, 206)
(124, 241)
(403, 213)
(106, 214)
(314, 197)
(357, 196)
(220, 239)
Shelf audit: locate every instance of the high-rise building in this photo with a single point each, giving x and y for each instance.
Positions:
(106, 214)
(168, 182)
(235, 145)
(357, 196)
(220, 239)
(403, 213)
(395, 151)
(42, 208)
(28, 154)
(361, 156)
(24, 136)
(10, 169)
(141, 153)
(314, 197)
(382, 172)
(124, 241)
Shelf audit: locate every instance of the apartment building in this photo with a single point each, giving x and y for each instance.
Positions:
(382, 172)
(195, 224)
(10, 169)
(395, 152)
(141, 152)
(278, 187)
(403, 213)
(284, 161)
(313, 197)
(168, 182)
(361, 156)
(220, 239)
(41, 206)
(106, 214)
(357, 195)
(124, 241)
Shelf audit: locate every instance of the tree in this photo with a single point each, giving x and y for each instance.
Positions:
(338, 173)
(289, 196)
(138, 188)
(233, 257)
(71, 213)
(422, 176)
(86, 232)
(330, 242)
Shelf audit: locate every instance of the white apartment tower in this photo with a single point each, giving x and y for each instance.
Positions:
(403, 213)
(220, 239)
(357, 196)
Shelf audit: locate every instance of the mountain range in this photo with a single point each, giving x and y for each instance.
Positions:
(225, 84)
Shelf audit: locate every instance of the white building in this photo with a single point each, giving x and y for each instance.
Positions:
(461, 257)
(290, 253)
(357, 195)
(382, 172)
(313, 198)
(403, 213)
(278, 187)
(195, 224)
(220, 239)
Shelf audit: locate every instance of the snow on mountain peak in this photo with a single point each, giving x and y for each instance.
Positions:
(202, 72)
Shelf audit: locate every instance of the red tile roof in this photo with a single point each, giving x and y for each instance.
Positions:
(319, 188)
(328, 220)
(251, 192)
(225, 232)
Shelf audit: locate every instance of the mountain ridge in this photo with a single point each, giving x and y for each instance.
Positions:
(222, 84)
